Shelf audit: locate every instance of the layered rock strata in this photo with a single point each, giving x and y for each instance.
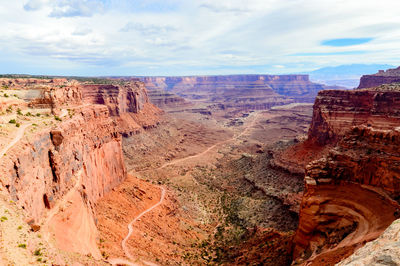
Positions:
(352, 193)
(57, 174)
(298, 87)
(129, 97)
(382, 251)
(337, 111)
(166, 100)
(382, 77)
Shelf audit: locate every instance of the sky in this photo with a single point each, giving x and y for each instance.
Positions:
(195, 37)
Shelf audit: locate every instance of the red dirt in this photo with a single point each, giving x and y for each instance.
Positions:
(163, 225)
(297, 157)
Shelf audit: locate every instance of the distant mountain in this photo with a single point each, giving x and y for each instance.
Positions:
(345, 75)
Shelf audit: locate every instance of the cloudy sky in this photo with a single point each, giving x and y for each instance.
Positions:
(184, 37)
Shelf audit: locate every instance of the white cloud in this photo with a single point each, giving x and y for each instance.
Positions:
(184, 37)
(33, 5)
(76, 8)
(67, 8)
(82, 31)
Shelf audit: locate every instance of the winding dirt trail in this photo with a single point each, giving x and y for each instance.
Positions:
(18, 136)
(213, 146)
(116, 261)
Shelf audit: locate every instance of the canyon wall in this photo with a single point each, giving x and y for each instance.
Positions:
(238, 92)
(298, 86)
(382, 77)
(57, 173)
(129, 97)
(45, 166)
(352, 193)
(337, 111)
(166, 100)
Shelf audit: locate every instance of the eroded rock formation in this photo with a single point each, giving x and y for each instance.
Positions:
(382, 77)
(166, 100)
(351, 193)
(244, 92)
(288, 85)
(382, 251)
(337, 111)
(58, 173)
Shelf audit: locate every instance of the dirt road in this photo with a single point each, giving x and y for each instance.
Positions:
(20, 134)
(117, 261)
(213, 146)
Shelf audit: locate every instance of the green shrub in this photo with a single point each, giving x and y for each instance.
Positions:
(17, 124)
(12, 121)
(22, 245)
(37, 252)
(57, 118)
(3, 218)
(5, 95)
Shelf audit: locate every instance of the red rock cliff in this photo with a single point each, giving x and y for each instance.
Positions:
(337, 111)
(382, 77)
(58, 173)
(351, 193)
(297, 86)
(46, 165)
(129, 97)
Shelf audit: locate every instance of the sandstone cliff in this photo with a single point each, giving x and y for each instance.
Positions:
(58, 171)
(166, 100)
(351, 193)
(382, 251)
(127, 97)
(288, 85)
(382, 77)
(337, 111)
(233, 94)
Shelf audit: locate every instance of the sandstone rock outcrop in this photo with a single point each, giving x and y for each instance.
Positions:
(52, 96)
(129, 97)
(382, 77)
(127, 102)
(58, 173)
(382, 251)
(86, 148)
(243, 92)
(166, 100)
(288, 85)
(337, 111)
(352, 193)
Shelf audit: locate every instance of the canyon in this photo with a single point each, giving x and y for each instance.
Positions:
(83, 158)
(71, 155)
(230, 93)
(351, 189)
(231, 170)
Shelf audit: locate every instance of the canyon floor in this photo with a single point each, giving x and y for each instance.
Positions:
(212, 211)
(92, 173)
